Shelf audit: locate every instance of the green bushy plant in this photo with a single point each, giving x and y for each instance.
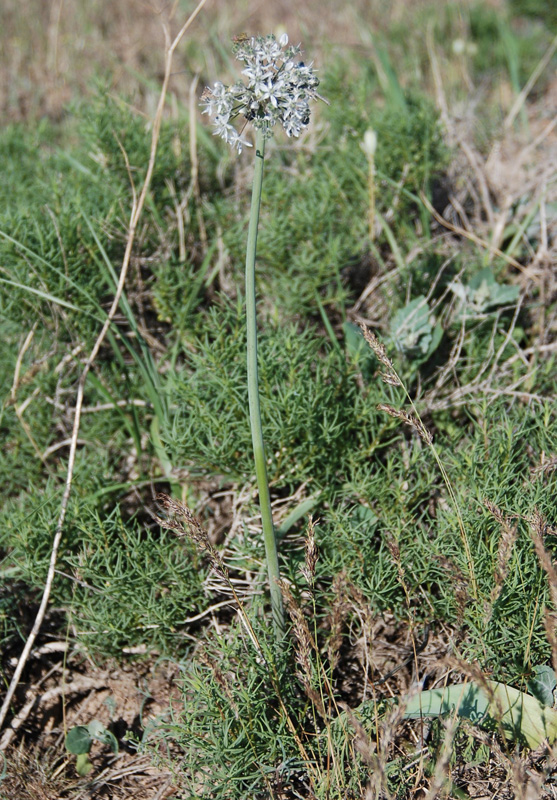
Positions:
(121, 584)
(309, 403)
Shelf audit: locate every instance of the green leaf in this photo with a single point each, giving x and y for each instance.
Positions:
(483, 292)
(78, 740)
(299, 511)
(411, 329)
(356, 346)
(43, 295)
(519, 716)
(364, 514)
(542, 684)
(436, 337)
(98, 731)
(484, 277)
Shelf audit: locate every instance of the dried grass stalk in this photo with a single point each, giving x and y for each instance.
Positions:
(389, 375)
(504, 552)
(408, 419)
(312, 553)
(340, 608)
(183, 522)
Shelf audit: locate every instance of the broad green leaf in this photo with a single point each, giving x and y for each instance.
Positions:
(411, 329)
(78, 740)
(484, 277)
(518, 715)
(542, 684)
(483, 292)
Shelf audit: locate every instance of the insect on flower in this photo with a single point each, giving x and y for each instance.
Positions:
(278, 91)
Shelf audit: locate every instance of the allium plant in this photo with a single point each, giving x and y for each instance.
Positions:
(279, 90)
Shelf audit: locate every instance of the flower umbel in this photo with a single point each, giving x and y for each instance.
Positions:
(279, 90)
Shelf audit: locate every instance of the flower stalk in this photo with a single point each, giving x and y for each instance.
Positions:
(369, 146)
(269, 537)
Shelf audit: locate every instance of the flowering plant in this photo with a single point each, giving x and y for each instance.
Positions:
(278, 91)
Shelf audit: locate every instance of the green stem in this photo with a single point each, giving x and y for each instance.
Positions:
(253, 395)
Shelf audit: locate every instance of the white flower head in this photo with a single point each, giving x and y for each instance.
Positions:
(278, 91)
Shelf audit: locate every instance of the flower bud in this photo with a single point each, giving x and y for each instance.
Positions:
(369, 143)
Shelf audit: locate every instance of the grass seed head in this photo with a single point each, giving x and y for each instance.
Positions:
(408, 419)
(389, 375)
(181, 521)
(302, 634)
(504, 552)
(312, 554)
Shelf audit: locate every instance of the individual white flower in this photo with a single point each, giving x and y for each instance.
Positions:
(278, 91)
(236, 141)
